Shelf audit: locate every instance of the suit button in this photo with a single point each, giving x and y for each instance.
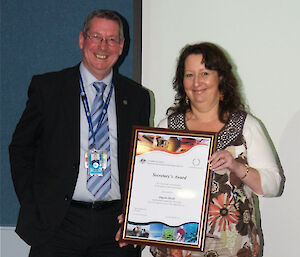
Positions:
(66, 198)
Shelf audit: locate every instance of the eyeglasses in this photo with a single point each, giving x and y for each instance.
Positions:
(96, 38)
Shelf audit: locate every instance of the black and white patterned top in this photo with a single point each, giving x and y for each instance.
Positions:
(230, 134)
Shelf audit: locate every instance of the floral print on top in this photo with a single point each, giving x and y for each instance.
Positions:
(231, 228)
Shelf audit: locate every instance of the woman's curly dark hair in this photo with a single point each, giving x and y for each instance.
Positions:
(214, 59)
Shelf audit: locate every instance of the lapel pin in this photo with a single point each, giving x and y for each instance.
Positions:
(125, 102)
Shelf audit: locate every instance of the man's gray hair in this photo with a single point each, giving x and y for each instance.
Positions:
(106, 14)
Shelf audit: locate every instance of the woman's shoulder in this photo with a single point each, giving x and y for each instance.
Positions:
(174, 121)
(252, 122)
(163, 123)
(254, 130)
(246, 120)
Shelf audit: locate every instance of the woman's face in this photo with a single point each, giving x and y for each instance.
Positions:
(200, 84)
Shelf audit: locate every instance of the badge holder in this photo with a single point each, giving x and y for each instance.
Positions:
(96, 162)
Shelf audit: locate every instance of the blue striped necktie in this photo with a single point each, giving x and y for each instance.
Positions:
(100, 185)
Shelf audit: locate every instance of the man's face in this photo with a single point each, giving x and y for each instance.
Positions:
(99, 56)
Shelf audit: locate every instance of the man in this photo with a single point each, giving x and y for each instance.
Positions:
(63, 213)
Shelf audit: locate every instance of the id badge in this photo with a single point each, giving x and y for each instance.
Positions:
(96, 162)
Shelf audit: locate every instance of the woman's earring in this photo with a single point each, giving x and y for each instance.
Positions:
(221, 97)
(187, 100)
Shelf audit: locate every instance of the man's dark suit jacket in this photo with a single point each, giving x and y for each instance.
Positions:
(45, 148)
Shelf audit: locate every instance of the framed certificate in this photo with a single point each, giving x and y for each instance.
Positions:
(168, 188)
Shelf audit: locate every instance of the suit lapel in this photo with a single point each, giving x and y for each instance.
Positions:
(122, 105)
(72, 108)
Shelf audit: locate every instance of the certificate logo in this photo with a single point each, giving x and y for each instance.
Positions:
(196, 162)
(142, 161)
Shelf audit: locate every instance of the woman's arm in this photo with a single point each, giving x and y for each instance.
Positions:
(263, 173)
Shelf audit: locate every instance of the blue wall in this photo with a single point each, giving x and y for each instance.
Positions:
(36, 37)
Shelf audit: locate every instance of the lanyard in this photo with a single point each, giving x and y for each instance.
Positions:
(87, 109)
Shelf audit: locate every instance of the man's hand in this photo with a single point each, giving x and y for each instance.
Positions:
(118, 235)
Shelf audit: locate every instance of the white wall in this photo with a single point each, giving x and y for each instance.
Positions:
(263, 39)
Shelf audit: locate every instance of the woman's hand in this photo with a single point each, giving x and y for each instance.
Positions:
(178, 253)
(175, 253)
(222, 160)
(250, 176)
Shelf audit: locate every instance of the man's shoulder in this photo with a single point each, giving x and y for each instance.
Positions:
(66, 72)
(124, 82)
(119, 78)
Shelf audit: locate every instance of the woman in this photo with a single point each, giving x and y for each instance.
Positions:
(207, 99)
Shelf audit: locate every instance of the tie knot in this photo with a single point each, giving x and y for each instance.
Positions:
(100, 87)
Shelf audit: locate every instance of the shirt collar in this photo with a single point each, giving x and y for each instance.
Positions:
(88, 79)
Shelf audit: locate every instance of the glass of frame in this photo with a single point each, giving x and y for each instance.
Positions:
(168, 188)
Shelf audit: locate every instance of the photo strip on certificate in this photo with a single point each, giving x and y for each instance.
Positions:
(168, 188)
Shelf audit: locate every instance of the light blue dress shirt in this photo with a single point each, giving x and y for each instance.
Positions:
(81, 193)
